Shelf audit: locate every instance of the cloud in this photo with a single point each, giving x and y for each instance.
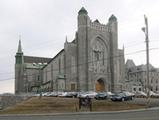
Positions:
(7, 86)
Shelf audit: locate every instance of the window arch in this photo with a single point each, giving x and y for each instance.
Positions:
(99, 55)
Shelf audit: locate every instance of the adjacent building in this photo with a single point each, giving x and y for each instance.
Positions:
(91, 62)
(136, 77)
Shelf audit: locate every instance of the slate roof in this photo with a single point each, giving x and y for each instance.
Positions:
(32, 59)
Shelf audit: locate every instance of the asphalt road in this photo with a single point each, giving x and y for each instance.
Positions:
(149, 114)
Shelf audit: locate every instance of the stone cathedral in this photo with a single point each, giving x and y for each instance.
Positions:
(91, 62)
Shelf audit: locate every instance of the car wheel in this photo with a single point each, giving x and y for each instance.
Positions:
(122, 99)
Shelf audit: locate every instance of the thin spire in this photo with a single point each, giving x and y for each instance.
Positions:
(19, 45)
(123, 47)
(66, 39)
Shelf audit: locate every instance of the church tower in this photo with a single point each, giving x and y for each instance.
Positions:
(113, 36)
(19, 64)
(97, 50)
(82, 49)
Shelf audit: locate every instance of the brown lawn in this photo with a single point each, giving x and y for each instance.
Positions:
(64, 105)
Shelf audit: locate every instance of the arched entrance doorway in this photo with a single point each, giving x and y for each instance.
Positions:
(100, 86)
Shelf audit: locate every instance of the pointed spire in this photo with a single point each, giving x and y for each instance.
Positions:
(123, 47)
(19, 45)
(66, 39)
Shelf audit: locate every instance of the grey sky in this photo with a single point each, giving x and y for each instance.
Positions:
(43, 25)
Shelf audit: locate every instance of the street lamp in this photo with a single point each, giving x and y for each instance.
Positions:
(145, 30)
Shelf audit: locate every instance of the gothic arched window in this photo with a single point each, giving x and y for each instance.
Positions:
(99, 53)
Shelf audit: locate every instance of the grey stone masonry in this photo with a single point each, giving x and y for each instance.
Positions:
(91, 62)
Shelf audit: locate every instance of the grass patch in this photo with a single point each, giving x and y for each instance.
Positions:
(62, 105)
(114, 106)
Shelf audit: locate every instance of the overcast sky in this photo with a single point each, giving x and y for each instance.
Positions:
(44, 24)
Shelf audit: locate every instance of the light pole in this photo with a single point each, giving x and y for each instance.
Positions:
(145, 30)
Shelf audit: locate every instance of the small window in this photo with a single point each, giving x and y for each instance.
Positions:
(139, 89)
(134, 89)
(103, 58)
(38, 77)
(73, 87)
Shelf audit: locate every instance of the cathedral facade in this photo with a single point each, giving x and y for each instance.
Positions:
(91, 62)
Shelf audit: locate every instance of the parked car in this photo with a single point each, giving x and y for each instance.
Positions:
(66, 94)
(53, 94)
(109, 94)
(101, 96)
(61, 94)
(74, 94)
(88, 94)
(127, 93)
(140, 94)
(121, 97)
(71, 94)
(153, 94)
(45, 93)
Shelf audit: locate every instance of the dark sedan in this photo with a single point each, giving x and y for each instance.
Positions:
(101, 96)
(121, 97)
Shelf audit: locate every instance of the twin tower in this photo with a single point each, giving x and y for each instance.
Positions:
(91, 62)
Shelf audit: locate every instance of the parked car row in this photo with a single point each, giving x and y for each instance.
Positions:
(153, 94)
(122, 96)
(60, 94)
(143, 94)
(140, 94)
(88, 94)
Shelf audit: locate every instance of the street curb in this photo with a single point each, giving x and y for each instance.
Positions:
(80, 113)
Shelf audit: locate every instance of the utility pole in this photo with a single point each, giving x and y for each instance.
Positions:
(145, 30)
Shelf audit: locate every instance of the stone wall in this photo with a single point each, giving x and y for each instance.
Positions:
(10, 100)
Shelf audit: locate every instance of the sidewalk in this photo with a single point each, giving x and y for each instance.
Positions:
(81, 113)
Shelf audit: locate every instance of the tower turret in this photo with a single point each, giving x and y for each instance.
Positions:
(112, 18)
(83, 18)
(82, 11)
